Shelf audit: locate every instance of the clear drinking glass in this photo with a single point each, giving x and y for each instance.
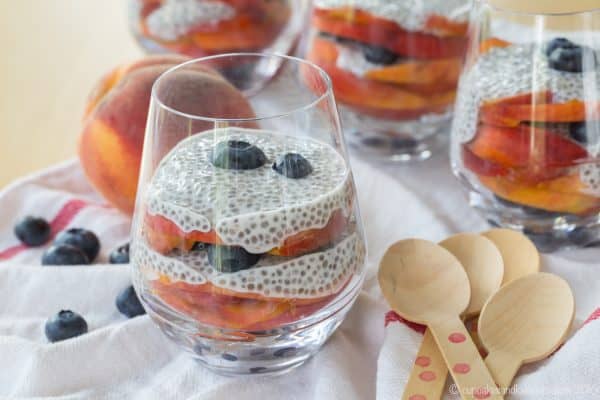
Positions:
(199, 28)
(394, 66)
(526, 134)
(247, 244)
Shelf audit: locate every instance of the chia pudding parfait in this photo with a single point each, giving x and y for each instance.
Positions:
(199, 28)
(395, 67)
(526, 133)
(247, 243)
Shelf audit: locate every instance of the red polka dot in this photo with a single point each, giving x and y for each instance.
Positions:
(481, 393)
(417, 397)
(457, 337)
(423, 361)
(461, 368)
(427, 376)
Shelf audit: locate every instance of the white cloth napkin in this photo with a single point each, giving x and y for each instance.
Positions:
(131, 359)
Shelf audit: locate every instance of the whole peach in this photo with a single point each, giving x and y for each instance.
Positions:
(110, 146)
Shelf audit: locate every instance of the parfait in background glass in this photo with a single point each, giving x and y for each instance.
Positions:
(526, 134)
(247, 244)
(394, 66)
(198, 28)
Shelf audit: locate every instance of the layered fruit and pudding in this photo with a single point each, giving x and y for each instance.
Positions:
(204, 27)
(528, 118)
(249, 229)
(397, 60)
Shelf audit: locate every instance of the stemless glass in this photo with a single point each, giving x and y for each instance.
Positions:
(395, 68)
(198, 28)
(247, 244)
(526, 134)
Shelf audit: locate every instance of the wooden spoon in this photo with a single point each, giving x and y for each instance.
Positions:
(526, 321)
(520, 255)
(483, 264)
(426, 284)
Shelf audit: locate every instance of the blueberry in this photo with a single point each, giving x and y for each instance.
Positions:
(404, 143)
(564, 55)
(237, 154)
(231, 258)
(65, 325)
(83, 239)
(379, 55)
(128, 303)
(374, 141)
(578, 132)
(292, 165)
(199, 246)
(33, 231)
(120, 255)
(64, 254)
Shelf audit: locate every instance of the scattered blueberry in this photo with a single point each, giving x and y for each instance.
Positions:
(564, 55)
(229, 357)
(286, 351)
(83, 239)
(237, 154)
(129, 304)
(120, 255)
(257, 370)
(32, 231)
(293, 165)
(379, 55)
(578, 132)
(65, 325)
(231, 258)
(64, 254)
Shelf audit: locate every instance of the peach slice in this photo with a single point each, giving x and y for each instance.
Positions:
(430, 72)
(502, 114)
(525, 147)
(562, 194)
(411, 44)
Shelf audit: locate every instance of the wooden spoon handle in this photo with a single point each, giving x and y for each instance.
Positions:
(428, 376)
(503, 368)
(466, 366)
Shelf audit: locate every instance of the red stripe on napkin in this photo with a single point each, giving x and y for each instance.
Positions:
(60, 222)
(392, 316)
(595, 315)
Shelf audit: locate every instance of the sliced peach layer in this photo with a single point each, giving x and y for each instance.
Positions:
(562, 194)
(525, 147)
(432, 72)
(164, 235)
(425, 77)
(411, 44)
(434, 23)
(379, 99)
(502, 114)
(210, 305)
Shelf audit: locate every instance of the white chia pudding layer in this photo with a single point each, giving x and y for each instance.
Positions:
(175, 18)
(409, 14)
(256, 209)
(309, 276)
(516, 70)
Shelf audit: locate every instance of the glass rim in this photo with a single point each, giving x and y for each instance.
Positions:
(507, 10)
(326, 78)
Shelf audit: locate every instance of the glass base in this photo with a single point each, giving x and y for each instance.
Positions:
(232, 353)
(395, 141)
(550, 231)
